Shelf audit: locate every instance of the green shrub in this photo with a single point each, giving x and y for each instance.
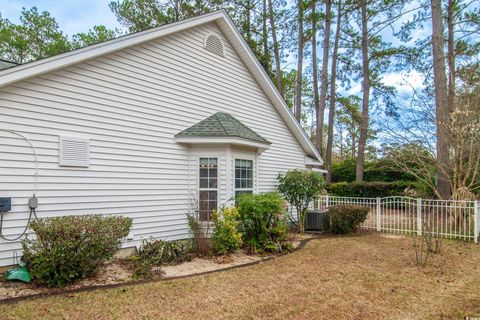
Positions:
(226, 238)
(343, 170)
(263, 222)
(376, 189)
(343, 219)
(377, 170)
(155, 253)
(72, 247)
(299, 188)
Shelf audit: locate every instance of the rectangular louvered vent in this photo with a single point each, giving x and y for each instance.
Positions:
(74, 152)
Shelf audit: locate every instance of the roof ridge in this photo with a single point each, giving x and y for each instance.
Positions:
(221, 124)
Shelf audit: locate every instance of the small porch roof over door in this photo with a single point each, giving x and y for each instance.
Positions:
(222, 128)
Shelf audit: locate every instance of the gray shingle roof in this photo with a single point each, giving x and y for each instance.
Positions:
(4, 64)
(221, 124)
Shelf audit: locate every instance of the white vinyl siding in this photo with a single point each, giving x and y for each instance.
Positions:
(74, 152)
(130, 104)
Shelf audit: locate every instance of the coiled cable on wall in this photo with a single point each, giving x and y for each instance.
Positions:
(32, 201)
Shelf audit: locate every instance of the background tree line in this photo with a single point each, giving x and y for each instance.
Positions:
(329, 60)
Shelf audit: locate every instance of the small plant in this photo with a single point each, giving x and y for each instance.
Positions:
(421, 250)
(428, 242)
(300, 187)
(72, 247)
(263, 222)
(343, 219)
(226, 238)
(154, 253)
(199, 230)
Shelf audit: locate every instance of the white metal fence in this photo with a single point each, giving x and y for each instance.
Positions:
(448, 218)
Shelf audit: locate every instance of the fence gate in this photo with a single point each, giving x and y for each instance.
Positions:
(447, 218)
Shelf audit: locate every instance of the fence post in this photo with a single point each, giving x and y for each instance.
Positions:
(379, 212)
(326, 202)
(419, 216)
(475, 222)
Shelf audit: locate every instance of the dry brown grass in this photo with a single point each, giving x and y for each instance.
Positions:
(357, 277)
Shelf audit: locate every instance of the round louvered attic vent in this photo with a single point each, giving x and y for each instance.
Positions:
(214, 44)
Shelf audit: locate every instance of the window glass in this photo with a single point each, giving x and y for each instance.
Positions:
(238, 192)
(243, 176)
(208, 184)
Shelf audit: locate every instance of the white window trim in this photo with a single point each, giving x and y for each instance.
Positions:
(198, 179)
(254, 173)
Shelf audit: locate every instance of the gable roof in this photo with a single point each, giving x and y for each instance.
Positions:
(221, 124)
(225, 24)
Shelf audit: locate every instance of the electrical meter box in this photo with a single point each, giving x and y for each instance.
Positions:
(5, 204)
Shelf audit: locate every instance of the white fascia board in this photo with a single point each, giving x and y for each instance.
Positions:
(35, 68)
(32, 69)
(223, 140)
(312, 162)
(267, 85)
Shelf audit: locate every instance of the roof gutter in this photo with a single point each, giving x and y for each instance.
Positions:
(224, 140)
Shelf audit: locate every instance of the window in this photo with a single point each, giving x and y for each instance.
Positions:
(243, 176)
(208, 187)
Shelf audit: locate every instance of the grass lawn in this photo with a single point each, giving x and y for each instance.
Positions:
(357, 277)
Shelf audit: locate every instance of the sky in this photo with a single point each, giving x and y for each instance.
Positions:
(73, 16)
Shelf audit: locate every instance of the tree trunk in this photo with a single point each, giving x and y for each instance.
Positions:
(298, 94)
(266, 58)
(177, 10)
(441, 100)
(341, 142)
(362, 141)
(331, 111)
(451, 55)
(323, 95)
(316, 98)
(276, 50)
(248, 30)
(354, 141)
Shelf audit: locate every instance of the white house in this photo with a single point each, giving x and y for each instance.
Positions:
(140, 126)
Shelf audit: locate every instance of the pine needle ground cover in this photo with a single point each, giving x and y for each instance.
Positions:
(344, 277)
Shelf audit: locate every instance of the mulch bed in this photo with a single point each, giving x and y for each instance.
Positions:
(118, 273)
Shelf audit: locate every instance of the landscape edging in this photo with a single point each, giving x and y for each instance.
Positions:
(14, 300)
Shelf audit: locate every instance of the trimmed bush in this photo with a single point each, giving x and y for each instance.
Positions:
(382, 170)
(72, 247)
(343, 219)
(155, 253)
(226, 238)
(375, 189)
(263, 222)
